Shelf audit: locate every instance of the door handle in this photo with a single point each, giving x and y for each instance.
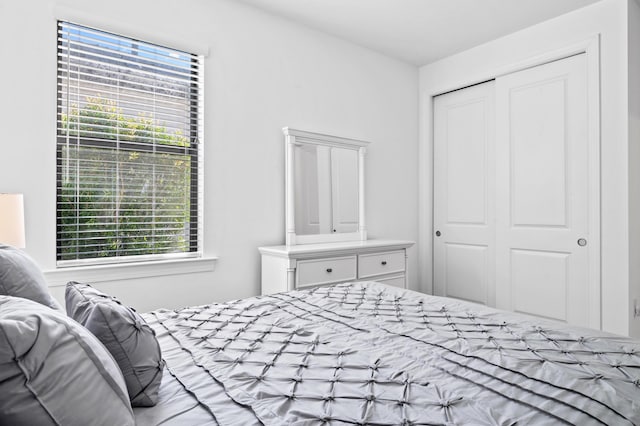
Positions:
(582, 242)
(438, 233)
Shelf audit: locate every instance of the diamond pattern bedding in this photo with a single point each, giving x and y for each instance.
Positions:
(366, 353)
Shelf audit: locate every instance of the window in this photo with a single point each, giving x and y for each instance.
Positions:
(129, 149)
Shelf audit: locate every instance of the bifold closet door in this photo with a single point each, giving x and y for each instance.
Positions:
(542, 204)
(464, 188)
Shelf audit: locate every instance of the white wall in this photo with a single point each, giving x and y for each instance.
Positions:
(262, 73)
(634, 161)
(607, 18)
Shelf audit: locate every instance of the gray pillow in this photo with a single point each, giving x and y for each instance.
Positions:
(21, 277)
(125, 334)
(54, 372)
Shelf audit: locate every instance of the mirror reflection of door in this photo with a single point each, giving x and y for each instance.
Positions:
(326, 188)
(344, 179)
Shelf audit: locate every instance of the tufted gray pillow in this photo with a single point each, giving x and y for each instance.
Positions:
(54, 372)
(21, 277)
(125, 334)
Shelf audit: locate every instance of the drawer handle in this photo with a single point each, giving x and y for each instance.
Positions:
(329, 270)
(384, 262)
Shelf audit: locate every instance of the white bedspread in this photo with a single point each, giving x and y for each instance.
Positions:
(366, 353)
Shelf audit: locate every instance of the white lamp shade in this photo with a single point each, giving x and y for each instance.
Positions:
(12, 220)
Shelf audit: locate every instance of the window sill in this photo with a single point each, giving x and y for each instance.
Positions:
(125, 271)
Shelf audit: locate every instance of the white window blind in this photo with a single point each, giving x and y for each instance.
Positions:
(129, 149)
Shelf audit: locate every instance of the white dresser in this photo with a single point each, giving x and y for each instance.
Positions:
(287, 268)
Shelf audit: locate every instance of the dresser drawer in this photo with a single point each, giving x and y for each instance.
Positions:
(371, 265)
(325, 271)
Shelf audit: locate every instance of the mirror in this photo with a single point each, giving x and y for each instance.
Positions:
(325, 188)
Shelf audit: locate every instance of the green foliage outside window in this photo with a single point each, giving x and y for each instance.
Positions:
(121, 193)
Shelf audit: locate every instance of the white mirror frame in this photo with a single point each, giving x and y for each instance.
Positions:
(294, 137)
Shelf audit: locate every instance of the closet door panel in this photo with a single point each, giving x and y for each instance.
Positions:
(463, 193)
(538, 153)
(539, 284)
(542, 191)
(465, 264)
(466, 164)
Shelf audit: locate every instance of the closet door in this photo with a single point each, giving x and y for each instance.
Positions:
(542, 175)
(464, 189)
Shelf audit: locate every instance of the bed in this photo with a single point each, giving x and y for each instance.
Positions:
(349, 354)
(367, 353)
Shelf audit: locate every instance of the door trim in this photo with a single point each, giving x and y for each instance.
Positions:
(590, 47)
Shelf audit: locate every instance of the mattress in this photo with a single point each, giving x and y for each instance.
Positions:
(367, 353)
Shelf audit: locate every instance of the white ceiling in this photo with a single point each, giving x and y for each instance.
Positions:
(418, 31)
